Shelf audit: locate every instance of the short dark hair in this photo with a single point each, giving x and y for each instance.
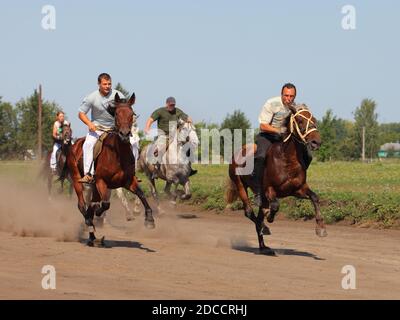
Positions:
(103, 75)
(289, 86)
(59, 112)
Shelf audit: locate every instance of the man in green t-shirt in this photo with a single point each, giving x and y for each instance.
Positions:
(163, 116)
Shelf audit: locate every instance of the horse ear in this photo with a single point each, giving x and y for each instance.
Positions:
(293, 109)
(117, 99)
(132, 99)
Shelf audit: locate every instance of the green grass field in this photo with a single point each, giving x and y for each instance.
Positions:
(351, 191)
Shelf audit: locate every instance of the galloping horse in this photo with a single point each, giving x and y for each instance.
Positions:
(114, 168)
(61, 156)
(175, 170)
(284, 174)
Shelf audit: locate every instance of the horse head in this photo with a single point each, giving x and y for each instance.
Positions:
(303, 126)
(66, 134)
(187, 133)
(124, 117)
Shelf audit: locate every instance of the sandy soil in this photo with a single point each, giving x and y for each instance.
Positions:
(191, 254)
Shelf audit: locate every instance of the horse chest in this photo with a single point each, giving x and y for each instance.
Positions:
(292, 181)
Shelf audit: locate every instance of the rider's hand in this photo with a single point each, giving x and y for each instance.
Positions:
(92, 127)
(277, 137)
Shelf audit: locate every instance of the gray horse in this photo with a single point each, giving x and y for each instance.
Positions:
(175, 167)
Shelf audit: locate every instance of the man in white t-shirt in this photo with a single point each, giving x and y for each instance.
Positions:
(101, 105)
(273, 120)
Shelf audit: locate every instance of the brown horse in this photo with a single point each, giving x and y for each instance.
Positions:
(61, 156)
(284, 174)
(114, 168)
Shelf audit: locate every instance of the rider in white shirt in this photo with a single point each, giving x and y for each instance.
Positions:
(57, 137)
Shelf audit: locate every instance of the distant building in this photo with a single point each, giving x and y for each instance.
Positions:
(390, 149)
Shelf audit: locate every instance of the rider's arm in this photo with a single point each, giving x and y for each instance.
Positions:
(55, 132)
(148, 125)
(264, 127)
(83, 117)
(183, 115)
(265, 118)
(83, 110)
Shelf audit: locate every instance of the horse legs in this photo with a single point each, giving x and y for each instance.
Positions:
(186, 188)
(273, 204)
(125, 204)
(260, 226)
(171, 195)
(154, 193)
(306, 193)
(86, 211)
(153, 190)
(134, 187)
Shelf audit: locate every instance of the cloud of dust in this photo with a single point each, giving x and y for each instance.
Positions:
(27, 211)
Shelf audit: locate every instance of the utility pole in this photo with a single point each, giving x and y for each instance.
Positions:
(363, 144)
(39, 151)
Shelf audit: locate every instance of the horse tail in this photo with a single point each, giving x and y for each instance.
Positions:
(231, 191)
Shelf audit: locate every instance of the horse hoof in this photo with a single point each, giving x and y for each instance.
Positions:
(267, 251)
(90, 243)
(321, 232)
(265, 230)
(270, 218)
(149, 224)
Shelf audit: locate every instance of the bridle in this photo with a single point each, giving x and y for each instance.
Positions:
(295, 126)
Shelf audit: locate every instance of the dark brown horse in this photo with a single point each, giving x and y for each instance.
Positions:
(61, 156)
(284, 174)
(114, 168)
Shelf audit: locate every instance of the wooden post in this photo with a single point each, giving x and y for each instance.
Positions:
(39, 151)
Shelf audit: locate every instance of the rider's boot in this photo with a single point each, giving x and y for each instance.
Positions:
(258, 180)
(88, 178)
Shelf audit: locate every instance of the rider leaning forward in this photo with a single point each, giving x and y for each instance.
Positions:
(101, 105)
(273, 120)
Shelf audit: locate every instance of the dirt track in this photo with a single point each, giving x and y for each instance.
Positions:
(197, 255)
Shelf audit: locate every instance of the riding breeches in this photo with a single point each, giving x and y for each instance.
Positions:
(53, 158)
(264, 142)
(88, 146)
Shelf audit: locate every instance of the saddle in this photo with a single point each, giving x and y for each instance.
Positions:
(99, 145)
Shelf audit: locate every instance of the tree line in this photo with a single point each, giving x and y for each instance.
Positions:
(342, 139)
(19, 126)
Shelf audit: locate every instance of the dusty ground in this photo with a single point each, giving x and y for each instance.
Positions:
(190, 255)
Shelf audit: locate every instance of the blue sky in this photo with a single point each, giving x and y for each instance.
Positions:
(213, 56)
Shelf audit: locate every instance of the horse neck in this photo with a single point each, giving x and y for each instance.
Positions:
(292, 151)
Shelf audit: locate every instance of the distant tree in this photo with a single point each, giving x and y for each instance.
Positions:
(389, 132)
(237, 120)
(327, 129)
(345, 140)
(8, 131)
(365, 116)
(120, 88)
(204, 144)
(27, 115)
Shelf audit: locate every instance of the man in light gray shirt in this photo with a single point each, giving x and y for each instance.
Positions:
(272, 119)
(100, 103)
